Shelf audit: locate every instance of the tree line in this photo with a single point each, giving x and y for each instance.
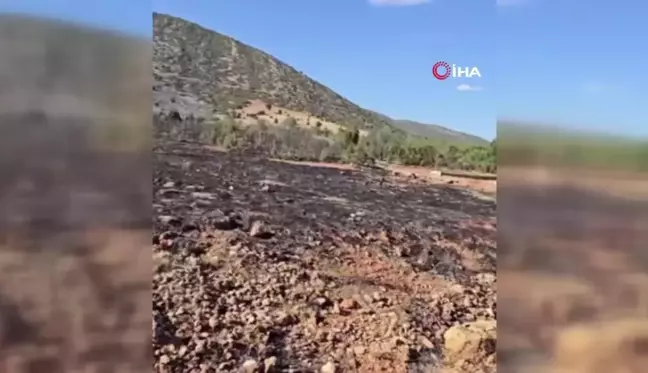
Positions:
(288, 140)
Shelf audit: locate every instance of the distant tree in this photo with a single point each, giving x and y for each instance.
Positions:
(354, 136)
(263, 124)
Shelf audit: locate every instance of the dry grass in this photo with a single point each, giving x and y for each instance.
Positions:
(619, 184)
(425, 173)
(338, 166)
(255, 110)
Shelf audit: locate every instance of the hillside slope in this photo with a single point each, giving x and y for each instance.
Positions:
(201, 72)
(434, 130)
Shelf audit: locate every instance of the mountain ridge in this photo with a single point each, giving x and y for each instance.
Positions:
(209, 73)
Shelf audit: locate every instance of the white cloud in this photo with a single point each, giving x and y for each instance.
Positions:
(512, 3)
(397, 2)
(468, 87)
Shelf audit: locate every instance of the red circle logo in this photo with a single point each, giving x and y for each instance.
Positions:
(438, 70)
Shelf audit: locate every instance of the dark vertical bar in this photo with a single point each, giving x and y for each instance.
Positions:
(75, 265)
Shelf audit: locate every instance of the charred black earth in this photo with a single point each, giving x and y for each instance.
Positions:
(268, 266)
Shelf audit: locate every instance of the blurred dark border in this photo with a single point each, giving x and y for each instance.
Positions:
(75, 197)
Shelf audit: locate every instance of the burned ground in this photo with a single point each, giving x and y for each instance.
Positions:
(270, 266)
(572, 264)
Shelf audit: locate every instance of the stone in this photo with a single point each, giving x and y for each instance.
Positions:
(250, 366)
(472, 341)
(349, 304)
(270, 364)
(259, 230)
(329, 368)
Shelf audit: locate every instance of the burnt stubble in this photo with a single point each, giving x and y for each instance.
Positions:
(278, 265)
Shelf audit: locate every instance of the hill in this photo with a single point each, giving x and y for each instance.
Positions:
(201, 72)
(436, 131)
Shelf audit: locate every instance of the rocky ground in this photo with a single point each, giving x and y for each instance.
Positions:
(264, 266)
(572, 274)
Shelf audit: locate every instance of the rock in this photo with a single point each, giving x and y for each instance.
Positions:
(259, 230)
(200, 346)
(169, 193)
(270, 364)
(613, 346)
(321, 290)
(203, 195)
(425, 342)
(170, 220)
(190, 227)
(322, 302)
(470, 342)
(359, 350)
(224, 223)
(349, 304)
(250, 366)
(384, 236)
(286, 319)
(328, 368)
(203, 203)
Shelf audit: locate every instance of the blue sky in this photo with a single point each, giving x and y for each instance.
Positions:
(582, 63)
(377, 56)
(563, 61)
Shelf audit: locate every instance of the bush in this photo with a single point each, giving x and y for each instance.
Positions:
(290, 141)
(289, 122)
